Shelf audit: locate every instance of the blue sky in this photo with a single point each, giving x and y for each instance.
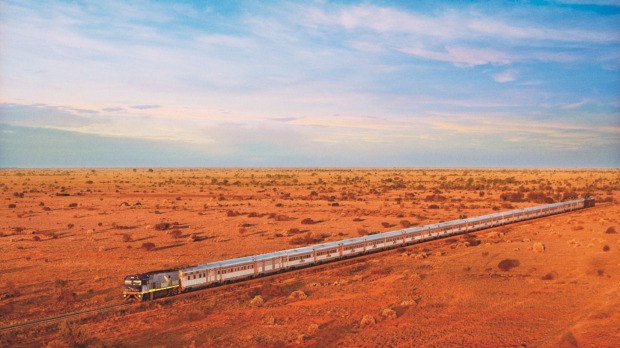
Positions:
(310, 83)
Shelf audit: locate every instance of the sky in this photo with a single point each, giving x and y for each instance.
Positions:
(309, 83)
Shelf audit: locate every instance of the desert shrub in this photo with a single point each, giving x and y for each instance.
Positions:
(550, 276)
(197, 315)
(539, 197)
(123, 227)
(73, 205)
(232, 213)
(433, 206)
(508, 264)
(405, 223)
(72, 334)
(362, 231)
(568, 340)
(11, 206)
(435, 198)
(611, 230)
(308, 238)
(162, 226)
(148, 246)
(47, 209)
(386, 224)
(194, 238)
(60, 283)
(126, 237)
(176, 233)
(299, 240)
(268, 290)
(512, 196)
(70, 226)
(66, 296)
(36, 238)
(307, 221)
(606, 248)
(293, 230)
(382, 271)
(358, 219)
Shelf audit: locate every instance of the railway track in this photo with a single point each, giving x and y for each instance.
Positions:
(62, 317)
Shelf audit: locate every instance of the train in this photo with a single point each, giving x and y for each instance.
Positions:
(155, 284)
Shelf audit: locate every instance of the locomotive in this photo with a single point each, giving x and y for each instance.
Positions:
(156, 284)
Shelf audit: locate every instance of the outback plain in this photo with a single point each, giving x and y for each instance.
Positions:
(69, 236)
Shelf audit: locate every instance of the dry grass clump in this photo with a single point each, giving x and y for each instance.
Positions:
(405, 223)
(508, 264)
(298, 295)
(307, 221)
(611, 230)
(368, 320)
(257, 301)
(389, 313)
(313, 328)
(126, 237)
(269, 320)
(606, 248)
(538, 247)
(409, 303)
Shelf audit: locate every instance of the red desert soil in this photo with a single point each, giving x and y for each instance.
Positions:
(68, 237)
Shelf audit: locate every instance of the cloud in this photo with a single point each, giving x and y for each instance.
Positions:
(577, 105)
(112, 109)
(145, 106)
(505, 76)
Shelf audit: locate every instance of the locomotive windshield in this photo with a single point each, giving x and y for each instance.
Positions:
(130, 282)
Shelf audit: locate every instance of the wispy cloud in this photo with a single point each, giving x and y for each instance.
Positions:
(576, 105)
(145, 106)
(505, 76)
